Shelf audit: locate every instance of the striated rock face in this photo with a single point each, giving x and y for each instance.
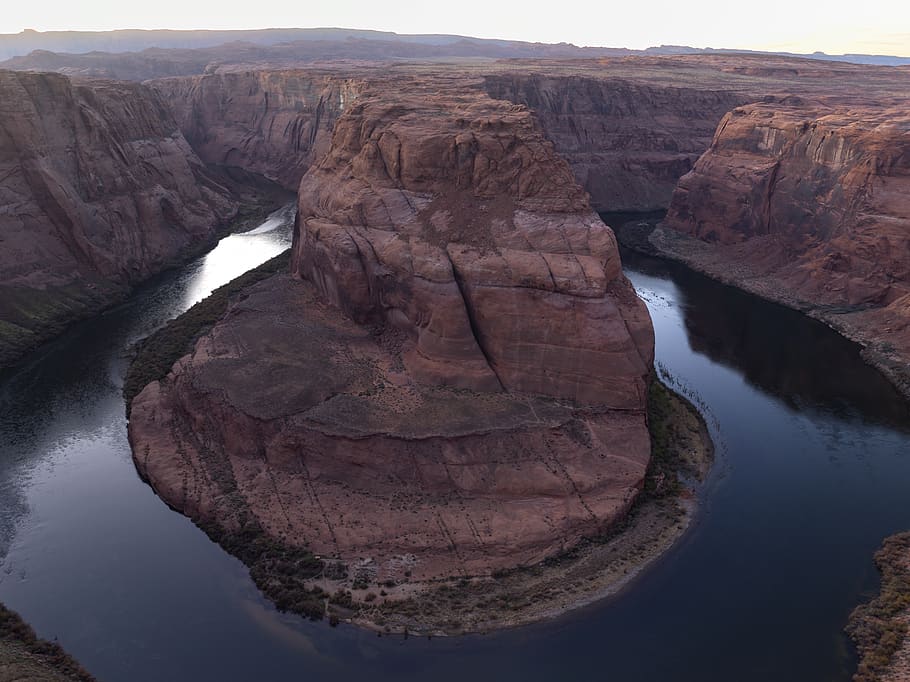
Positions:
(98, 190)
(454, 381)
(453, 220)
(628, 143)
(296, 418)
(810, 204)
(274, 123)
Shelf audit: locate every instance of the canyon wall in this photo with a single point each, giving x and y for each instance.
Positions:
(628, 143)
(274, 123)
(809, 203)
(98, 191)
(458, 358)
(468, 232)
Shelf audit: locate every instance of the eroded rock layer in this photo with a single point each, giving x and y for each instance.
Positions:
(98, 190)
(628, 143)
(454, 382)
(810, 204)
(453, 220)
(275, 123)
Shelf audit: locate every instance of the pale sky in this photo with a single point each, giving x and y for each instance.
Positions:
(834, 26)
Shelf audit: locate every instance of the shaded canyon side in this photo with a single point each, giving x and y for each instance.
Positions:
(808, 204)
(275, 123)
(628, 143)
(99, 190)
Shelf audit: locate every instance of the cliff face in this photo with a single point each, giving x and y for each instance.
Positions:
(628, 143)
(459, 359)
(98, 191)
(455, 221)
(810, 204)
(274, 123)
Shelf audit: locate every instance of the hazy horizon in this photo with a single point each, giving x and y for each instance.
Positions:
(779, 25)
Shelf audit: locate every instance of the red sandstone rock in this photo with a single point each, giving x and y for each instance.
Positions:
(98, 190)
(453, 219)
(629, 128)
(274, 123)
(628, 143)
(810, 204)
(291, 414)
(454, 384)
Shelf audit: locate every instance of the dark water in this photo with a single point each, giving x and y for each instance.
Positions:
(813, 471)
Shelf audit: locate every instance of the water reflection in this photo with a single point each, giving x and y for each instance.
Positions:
(65, 399)
(778, 350)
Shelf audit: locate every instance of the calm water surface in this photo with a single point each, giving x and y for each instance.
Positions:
(813, 471)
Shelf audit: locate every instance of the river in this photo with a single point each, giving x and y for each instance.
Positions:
(812, 473)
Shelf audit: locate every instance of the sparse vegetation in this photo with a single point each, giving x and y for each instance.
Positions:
(15, 631)
(666, 463)
(155, 355)
(876, 627)
(283, 573)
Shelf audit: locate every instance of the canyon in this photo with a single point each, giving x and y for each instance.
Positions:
(452, 349)
(99, 191)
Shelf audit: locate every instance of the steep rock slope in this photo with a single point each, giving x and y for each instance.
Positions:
(454, 383)
(466, 231)
(809, 203)
(275, 123)
(98, 190)
(628, 143)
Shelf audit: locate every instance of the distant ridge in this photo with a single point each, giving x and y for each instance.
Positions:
(73, 43)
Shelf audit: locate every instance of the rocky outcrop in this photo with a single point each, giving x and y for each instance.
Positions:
(628, 143)
(453, 384)
(455, 222)
(275, 123)
(98, 190)
(809, 204)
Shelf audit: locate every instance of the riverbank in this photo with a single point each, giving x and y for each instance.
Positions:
(154, 356)
(648, 237)
(597, 568)
(399, 601)
(30, 317)
(879, 628)
(24, 656)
